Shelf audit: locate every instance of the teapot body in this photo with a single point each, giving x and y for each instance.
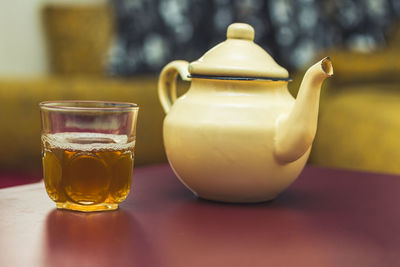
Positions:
(237, 135)
(219, 139)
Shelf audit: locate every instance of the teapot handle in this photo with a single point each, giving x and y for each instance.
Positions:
(167, 82)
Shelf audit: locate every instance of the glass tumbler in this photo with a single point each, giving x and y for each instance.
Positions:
(88, 152)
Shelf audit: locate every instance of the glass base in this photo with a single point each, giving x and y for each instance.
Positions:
(86, 208)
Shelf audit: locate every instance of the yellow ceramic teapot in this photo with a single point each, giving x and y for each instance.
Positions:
(237, 135)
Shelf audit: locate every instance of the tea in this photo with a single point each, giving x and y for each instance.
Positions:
(87, 171)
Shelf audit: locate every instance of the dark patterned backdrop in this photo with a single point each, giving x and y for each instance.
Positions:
(150, 33)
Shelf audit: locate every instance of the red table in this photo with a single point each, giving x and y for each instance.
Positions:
(327, 218)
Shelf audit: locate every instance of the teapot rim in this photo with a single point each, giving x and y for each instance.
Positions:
(239, 78)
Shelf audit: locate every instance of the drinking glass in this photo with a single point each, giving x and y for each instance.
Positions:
(88, 152)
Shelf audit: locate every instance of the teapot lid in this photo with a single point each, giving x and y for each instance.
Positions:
(238, 57)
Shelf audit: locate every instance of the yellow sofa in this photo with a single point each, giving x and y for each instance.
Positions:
(359, 123)
(359, 128)
(20, 119)
(359, 120)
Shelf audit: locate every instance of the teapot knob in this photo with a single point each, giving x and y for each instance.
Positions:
(240, 31)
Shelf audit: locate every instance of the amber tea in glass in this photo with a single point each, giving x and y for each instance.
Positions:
(88, 153)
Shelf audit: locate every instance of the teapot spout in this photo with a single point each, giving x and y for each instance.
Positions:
(295, 131)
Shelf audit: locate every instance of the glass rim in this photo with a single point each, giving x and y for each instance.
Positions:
(88, 105)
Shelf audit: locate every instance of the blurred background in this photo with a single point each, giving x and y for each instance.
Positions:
(114, 50)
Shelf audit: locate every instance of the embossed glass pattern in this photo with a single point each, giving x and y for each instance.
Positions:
(88, 153)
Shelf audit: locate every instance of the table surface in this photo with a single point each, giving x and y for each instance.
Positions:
(326, 218)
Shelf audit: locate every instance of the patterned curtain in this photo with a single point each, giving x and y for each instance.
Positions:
(150, 33)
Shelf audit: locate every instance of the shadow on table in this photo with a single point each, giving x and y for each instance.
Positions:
(112, 238)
